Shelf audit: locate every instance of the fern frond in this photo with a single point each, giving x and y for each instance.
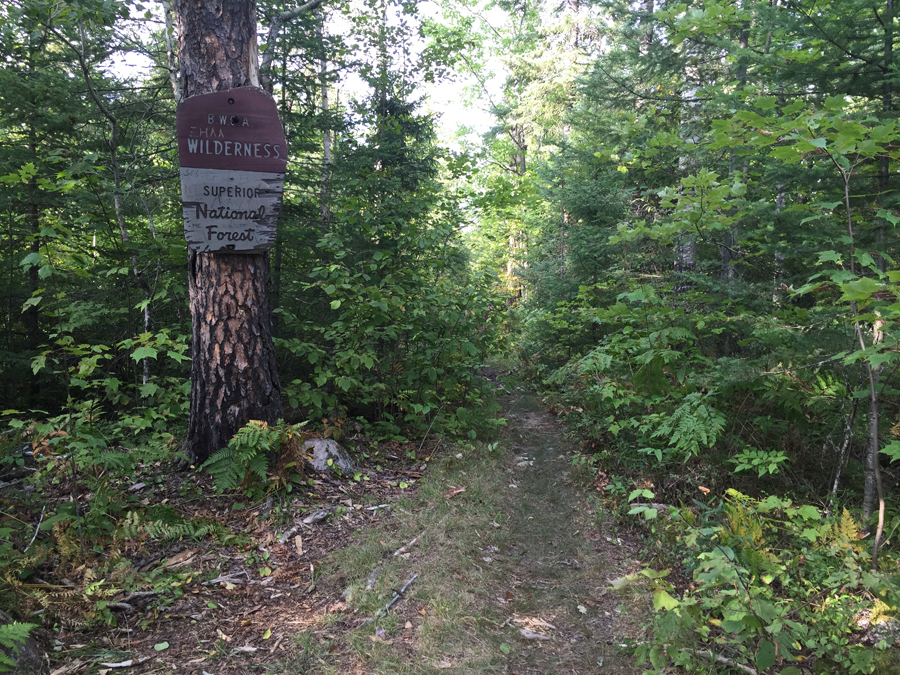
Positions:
(12, 637)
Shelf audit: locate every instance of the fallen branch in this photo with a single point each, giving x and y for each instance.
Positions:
(283, 538)
(123, 606)
(370, 582)
(139, 594)
(397, 595)
(36, 530)
(403, 549)
(721, 659)
(226, 578)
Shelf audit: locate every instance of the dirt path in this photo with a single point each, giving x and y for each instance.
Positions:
(559, 554)
(513, 570)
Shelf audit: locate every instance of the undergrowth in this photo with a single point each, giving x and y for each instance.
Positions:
(770, 584)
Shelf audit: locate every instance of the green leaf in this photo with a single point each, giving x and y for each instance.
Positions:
(144, 353)
(148, 389)
(766, 611)
(809, 512)
(859, 290)
(765, 657)
(504, 647)
(38, 362)
(161, 646)
(335, 304)
(835, 103)
(662, 600)
(892, 450)
(818, 142)
(829, 256)
(31, 260)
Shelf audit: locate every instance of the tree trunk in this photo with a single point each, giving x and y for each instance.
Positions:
(884, 162)
(646, 31)
(686, 245)
(234, 378)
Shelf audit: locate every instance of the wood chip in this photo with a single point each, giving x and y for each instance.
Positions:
(69, 668)
(531, 635)
(181, 559)
(534, 622)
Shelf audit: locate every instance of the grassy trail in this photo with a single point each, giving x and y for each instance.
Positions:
(559, 553)
(521, 548)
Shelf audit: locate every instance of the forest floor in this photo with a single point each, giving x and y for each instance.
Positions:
(510, 559)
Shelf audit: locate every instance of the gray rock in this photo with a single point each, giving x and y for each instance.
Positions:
(320, 450)
(886, 630)
(30, 657)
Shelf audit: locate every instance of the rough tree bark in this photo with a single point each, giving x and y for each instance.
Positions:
(233, 375)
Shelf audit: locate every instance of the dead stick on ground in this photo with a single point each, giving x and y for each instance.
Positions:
(36, 530)
(406, 547)
(721, 659)
(383, 610)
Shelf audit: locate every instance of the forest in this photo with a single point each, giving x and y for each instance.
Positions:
(679, 229)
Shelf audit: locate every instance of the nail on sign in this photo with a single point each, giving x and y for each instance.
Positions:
(232, 154)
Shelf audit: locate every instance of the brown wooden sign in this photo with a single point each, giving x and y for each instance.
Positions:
(232, 153)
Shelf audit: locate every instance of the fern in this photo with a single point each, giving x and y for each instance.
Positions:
(130, 527)
(133, 526)
(693, 426)
(844, 533)
(169, 531)
(243, 462)
(12, 636)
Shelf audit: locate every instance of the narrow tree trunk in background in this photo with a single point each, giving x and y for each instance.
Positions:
(729, 253)
(646, 32)
(170, 52)
(233, 374)
(325, 212)
(31, 318)
(887, 104)
(686, 245)
(873, 496)
(778, 276)
(517, 135)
